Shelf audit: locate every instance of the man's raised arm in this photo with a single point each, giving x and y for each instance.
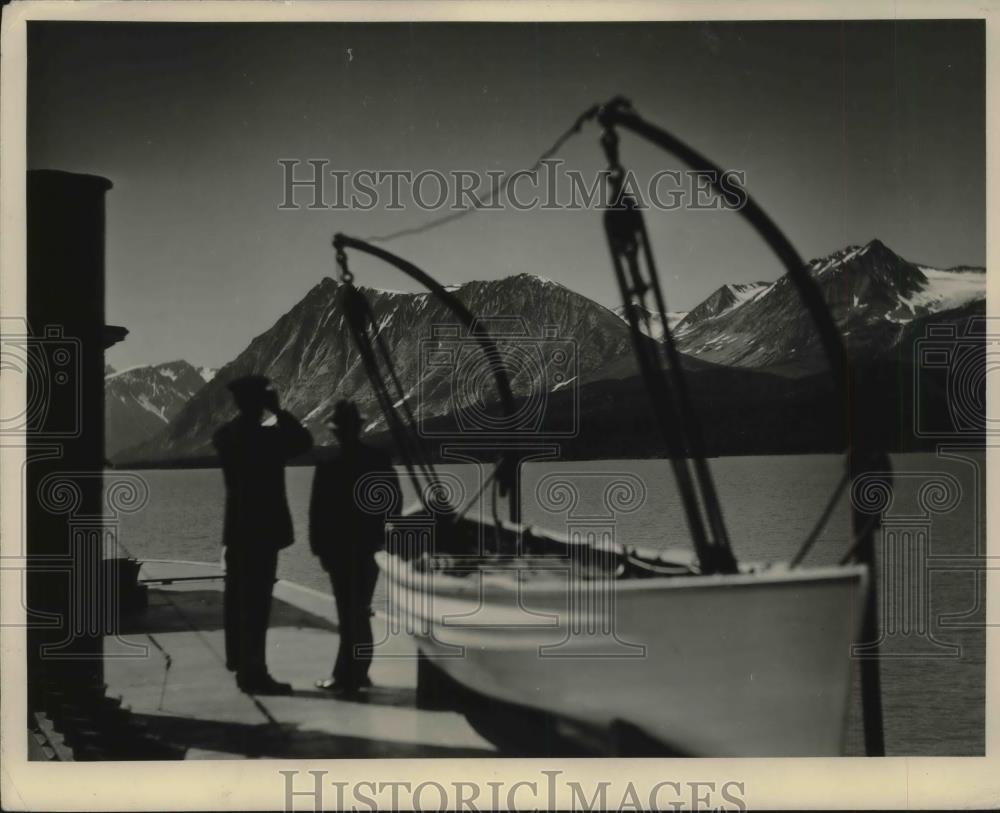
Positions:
(295, 438)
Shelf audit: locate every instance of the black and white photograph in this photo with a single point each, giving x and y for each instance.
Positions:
(390, 388)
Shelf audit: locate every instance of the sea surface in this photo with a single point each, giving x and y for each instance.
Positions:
(933, 678)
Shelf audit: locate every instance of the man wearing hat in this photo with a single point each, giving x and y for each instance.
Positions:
(257, 522)
(345, 537)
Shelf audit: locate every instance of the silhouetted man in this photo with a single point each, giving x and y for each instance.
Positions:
(345, 538)
(257, 523)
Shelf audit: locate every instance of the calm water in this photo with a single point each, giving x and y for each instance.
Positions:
(934, 698)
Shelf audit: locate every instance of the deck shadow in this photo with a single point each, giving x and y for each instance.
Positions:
(184, 610)
(280, 740)
(393, 696)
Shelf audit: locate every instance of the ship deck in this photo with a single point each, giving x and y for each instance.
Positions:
(167, 665)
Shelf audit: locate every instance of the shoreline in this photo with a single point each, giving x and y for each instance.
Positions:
(190, 464)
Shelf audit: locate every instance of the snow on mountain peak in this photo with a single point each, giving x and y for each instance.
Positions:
(520, 278)
(537, 278)
(651, 325)
(945, 289)
(885, 286)
(140, 400)
(123, 371)
(871, 291)
(837, 259)
(744, 292)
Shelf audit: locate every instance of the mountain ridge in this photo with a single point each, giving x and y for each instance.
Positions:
(309, 353)
(141, 400)
(876, 297)
(872, 294)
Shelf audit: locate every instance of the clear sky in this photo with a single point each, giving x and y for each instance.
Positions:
(845, 132)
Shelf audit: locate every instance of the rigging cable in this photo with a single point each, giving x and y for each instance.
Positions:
(497, 188)
(628, 241)
(619, 112)
(865, 454)
(505, 477)
(807, 544)
(359, 319)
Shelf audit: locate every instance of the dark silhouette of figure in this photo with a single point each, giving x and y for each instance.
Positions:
(257, 523)
(345, 537)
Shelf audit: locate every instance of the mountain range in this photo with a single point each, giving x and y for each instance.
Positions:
(875, 297)
(750, 349)
(310, 355)
(651, 323)
(140, 401)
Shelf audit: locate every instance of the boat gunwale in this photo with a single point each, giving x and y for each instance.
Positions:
(446, 583)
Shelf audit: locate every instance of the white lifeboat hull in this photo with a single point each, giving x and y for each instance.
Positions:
(753, 664)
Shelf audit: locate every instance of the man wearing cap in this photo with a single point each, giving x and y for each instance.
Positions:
(345, 537)
(257, 522)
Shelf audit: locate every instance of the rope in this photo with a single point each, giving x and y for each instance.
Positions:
(860, 538)
(479, 493)
(506, 473)
(496, 189)
(821, 522)
(691, 425)
(619, 112)
(628, 240)
(680, 425)
(665, 413)
(417, 465)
